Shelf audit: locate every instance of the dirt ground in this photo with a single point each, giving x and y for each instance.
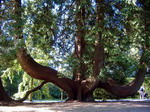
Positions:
(76, 107)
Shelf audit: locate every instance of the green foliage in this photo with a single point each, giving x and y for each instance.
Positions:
(51, 28)
(43, 93)
(17, 82)
(55, 92)
(103, 94)
(11, 77)
(147, 85)
(39, 26)
(48, 91)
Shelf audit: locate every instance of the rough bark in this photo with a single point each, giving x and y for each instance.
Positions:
(80, 48)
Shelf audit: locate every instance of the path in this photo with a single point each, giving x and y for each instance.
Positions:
(124, 106)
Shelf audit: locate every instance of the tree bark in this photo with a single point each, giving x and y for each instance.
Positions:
(125, 90)
(98, 58)
(131, 88)
(3, 95)
(48, 74)
(79, 73)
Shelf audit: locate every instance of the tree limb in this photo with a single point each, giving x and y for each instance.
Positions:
(41, 72)
(30, 91)
(131, 88)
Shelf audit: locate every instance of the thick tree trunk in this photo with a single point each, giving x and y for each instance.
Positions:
(3, 95)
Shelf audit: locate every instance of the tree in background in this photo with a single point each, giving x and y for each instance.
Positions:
(98, 42)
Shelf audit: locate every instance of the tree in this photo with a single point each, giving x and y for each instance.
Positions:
(95, 38)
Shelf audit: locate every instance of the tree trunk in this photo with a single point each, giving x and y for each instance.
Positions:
(75, 90)
(3, 95)
(78, 90)
(31, 87)
(79, 73)
(98, 58)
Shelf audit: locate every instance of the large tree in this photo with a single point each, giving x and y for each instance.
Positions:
(100, 40)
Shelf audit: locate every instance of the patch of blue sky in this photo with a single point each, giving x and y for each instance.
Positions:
(115, 21)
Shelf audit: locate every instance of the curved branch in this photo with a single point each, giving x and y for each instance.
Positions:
(125, 90)
(30, 91)
(131, 88)
(40, 72)
(36, 70)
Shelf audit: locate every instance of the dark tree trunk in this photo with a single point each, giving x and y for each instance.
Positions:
(3, 95)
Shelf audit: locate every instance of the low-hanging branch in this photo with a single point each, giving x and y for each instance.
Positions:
(124, 90)
(131, 88)
(30, 91)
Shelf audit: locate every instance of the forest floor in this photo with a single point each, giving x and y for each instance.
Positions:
(114, 106)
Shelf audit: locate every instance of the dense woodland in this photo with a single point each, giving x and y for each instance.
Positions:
(74, 47)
